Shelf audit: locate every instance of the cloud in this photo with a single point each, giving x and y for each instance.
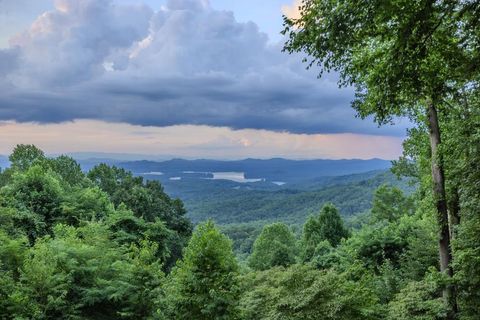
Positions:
(292, 11)
(184, 64)
(194, 141)
(71, 44)
(8, 61)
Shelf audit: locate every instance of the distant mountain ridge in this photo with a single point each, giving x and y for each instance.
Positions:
(276, 169)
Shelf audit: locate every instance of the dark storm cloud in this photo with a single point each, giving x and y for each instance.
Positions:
(185, 64)
(8, 61)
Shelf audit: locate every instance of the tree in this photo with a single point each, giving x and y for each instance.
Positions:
(148, 201)
(68, 169)
(462, 140)
(275, 246)
(24, 156)
(146, 283)
(81, 274)
(66, 252)
(204, 284)
(405, 58)
(331, 226)
(310, 239)
(327, 226)
(36, 193)
(460, 159)
(389, 204)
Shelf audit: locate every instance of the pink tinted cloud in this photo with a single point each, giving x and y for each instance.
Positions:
(195, 141)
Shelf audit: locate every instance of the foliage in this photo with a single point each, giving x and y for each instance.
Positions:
(396, 53)
(68, 252)
(38, 195)
(73, 249)
(463, 143)
(147, 200)
(68, 169)
(275, 246)
(327, 226)
(24, 156)
(419, 301)
(204, 284)
(390, 204)
(417, 59)
(302, 292)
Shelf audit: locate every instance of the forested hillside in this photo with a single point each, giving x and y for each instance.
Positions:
(227, 202)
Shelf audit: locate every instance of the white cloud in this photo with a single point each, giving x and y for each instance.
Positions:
(71, 44)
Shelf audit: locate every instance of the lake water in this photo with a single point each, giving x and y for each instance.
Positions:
(233, 176)
(153, 173)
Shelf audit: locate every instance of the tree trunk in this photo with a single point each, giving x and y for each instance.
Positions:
(438, 177)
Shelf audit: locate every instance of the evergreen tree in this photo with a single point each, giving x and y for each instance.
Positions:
(331, 226)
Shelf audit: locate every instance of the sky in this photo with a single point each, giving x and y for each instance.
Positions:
(189, 78)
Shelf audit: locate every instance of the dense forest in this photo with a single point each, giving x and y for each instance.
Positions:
(109, 245)
(106, 244)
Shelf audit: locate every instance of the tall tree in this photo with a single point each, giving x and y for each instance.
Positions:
(461, 140)
(404, 59)
(24, 156)
(331, 225)
(204, 284)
